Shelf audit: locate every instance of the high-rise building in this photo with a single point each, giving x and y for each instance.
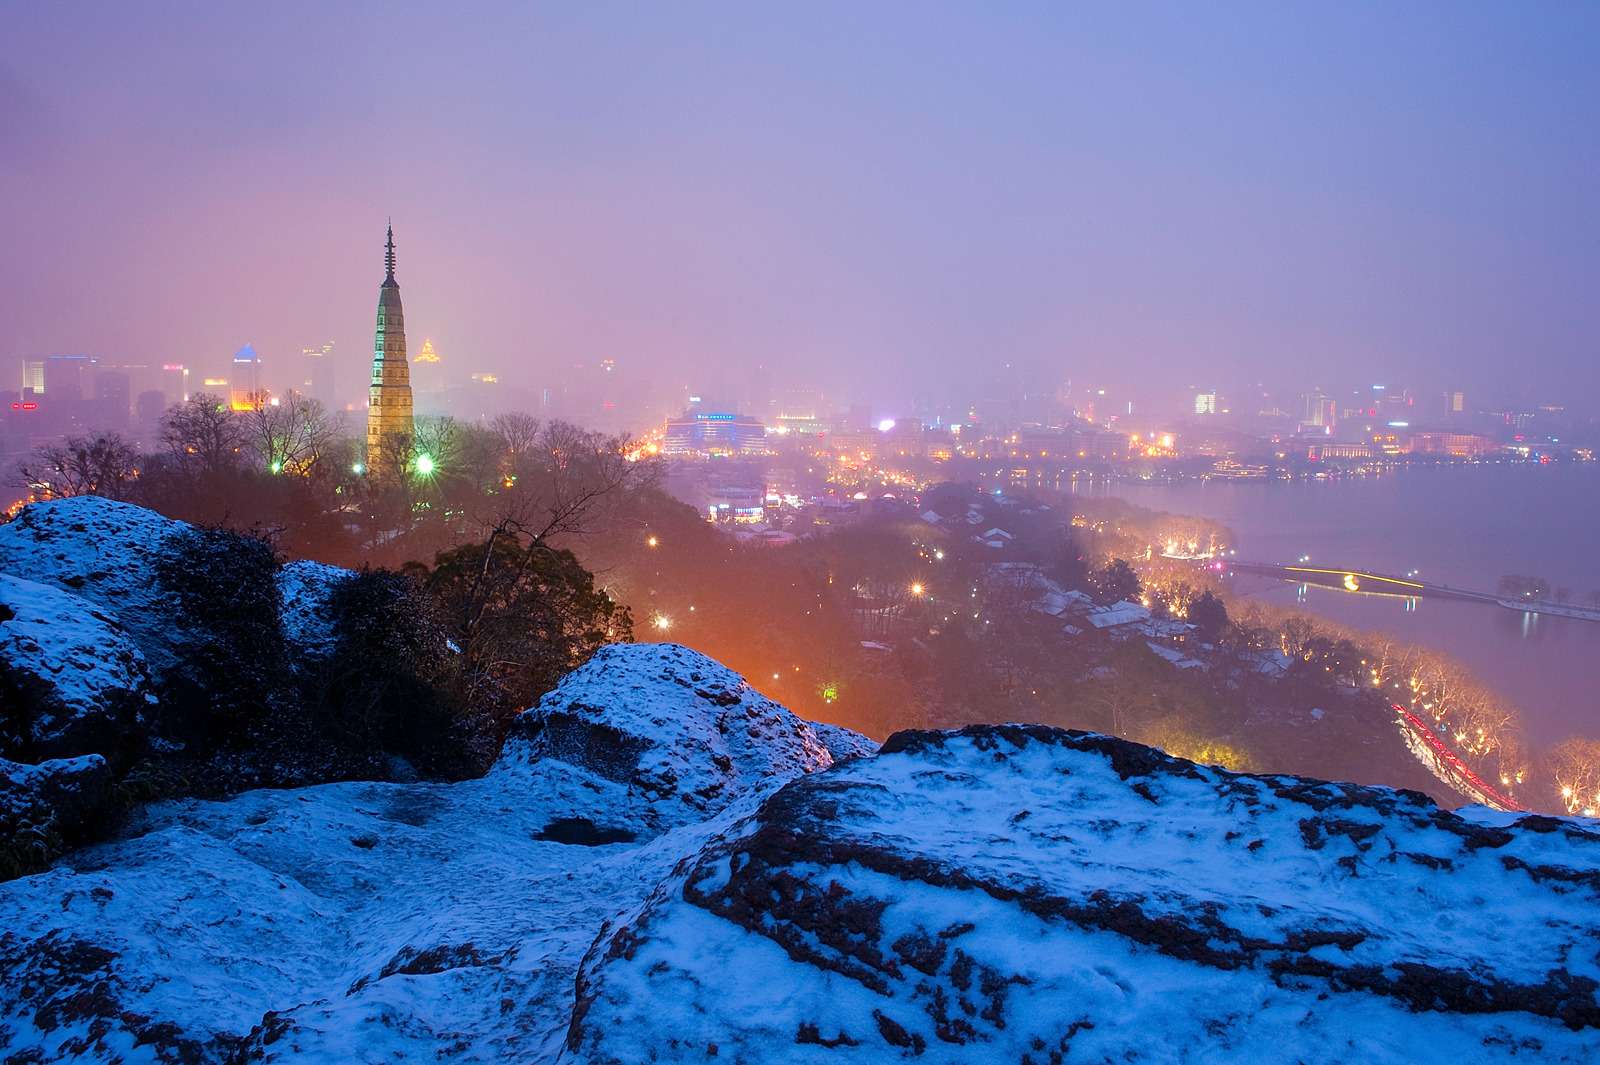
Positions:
(246, 393)
(175, 381)
(390, 425)
(112, 393)
(316, 374)
(1206, 402)
(1320, 410)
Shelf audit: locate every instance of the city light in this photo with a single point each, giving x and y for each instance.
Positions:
(663, 623)
(358, 469)
(916, 589)
(424, 464)
(651, 541)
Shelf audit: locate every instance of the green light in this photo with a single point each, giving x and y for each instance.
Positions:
(357, 468)
(277, 467)
(424, 464)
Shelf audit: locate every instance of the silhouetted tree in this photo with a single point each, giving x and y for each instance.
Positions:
(524, 616)
(1209, 616)
(103, 465)
(1115, 582)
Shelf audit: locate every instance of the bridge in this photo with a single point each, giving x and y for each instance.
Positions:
(1356, 580)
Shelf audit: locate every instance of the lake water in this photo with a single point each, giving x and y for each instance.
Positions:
(1465, 526)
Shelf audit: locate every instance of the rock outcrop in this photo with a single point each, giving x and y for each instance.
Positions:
(78, 683)
(1026, 894)
(663, 736)
(361, 921)
(108, 553)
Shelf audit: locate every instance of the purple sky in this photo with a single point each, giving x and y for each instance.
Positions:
(885, 200)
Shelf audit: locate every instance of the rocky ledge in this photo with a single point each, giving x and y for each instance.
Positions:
(667, 867)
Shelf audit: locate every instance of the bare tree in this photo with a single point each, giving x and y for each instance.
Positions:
(297, 436)
(201, 438)
(517, 431)
(1574, 766)
(104, 465)
(559, 483)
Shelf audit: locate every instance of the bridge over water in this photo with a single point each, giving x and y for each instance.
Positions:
(1363, 582)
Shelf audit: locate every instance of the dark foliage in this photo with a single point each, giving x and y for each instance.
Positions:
(389, 685)
(1115, 582)
(233, 674)
(1209, 616)
(524, 616)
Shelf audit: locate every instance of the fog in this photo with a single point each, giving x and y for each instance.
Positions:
(885, 203)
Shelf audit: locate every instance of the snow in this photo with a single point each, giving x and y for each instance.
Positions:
(76, 661)
(662, 732)
(1015, 895)
(665, 865)
(306, 588)
(1123, 613)
(366, 921)
(104, 551)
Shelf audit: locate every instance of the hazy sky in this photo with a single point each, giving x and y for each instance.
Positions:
(884, 199)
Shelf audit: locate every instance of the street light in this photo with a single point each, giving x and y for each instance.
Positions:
(424, 464)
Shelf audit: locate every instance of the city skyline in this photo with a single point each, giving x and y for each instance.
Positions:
(875, 202)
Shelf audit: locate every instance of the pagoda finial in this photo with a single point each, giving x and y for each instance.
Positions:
(388, 257)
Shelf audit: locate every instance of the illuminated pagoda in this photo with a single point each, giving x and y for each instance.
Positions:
(389, 416)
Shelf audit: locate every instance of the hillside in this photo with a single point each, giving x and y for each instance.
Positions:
(665, 866)
(662, 864)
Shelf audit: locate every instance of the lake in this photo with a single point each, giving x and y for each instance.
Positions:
(1465, 526)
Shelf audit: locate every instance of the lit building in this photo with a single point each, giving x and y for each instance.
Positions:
(716, 434)
(1320, 410)
(316, 373)
(177, 384)
(1456, 445)
(390, 425)
(33, 375)
(246, 392)
(427, 374)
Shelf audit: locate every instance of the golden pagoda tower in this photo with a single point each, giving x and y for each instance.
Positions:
(390, 427)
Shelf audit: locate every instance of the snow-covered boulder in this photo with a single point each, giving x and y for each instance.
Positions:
(106, 552)
(78, 683)
(1025, 894)
(307, 589)
(649, 736)
(62, 792)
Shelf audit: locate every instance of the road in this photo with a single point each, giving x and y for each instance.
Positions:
(1447, 765)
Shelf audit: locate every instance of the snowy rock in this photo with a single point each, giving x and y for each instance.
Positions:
(106, 552)
(79, 684)
(66, 791)
(664, 736)
(1025, 894)
(307, 589)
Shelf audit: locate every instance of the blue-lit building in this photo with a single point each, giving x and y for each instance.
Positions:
(722, 434)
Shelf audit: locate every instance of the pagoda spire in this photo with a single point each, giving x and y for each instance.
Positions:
(390, 427)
